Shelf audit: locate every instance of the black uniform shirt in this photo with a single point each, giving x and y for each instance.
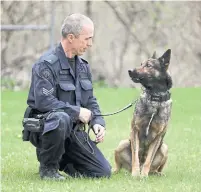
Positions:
(54, 85)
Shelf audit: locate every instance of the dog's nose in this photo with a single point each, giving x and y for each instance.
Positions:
(129, 72)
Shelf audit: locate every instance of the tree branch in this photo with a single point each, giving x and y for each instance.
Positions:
(126, 25)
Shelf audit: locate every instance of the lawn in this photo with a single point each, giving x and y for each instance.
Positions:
(19, 166)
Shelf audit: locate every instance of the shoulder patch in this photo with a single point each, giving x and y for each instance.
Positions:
(46, 73)
(51, 58)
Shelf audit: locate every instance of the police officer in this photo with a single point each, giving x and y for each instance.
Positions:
(61, 86)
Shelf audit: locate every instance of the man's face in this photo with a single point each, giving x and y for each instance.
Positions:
(81, 43)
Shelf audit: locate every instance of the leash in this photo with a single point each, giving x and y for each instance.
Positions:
(123, 109)
(86, 139)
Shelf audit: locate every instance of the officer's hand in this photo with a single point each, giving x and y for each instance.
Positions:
(99, 131)
(85, 115)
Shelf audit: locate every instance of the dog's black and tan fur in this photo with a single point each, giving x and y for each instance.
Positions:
(145, 151)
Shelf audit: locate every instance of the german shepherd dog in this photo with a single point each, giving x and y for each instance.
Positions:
(145, 153)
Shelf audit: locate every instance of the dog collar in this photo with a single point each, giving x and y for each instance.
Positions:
(160, 98)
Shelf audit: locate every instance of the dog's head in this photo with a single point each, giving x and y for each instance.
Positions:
(153, 73)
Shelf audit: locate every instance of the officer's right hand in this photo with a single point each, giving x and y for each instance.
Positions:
(85, 115)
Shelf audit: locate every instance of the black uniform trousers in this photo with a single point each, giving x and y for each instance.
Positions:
(67, 149)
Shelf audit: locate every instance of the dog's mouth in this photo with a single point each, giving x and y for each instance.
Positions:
(135, 79)
(135, 76)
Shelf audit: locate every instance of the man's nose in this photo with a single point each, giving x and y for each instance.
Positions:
(89, 43)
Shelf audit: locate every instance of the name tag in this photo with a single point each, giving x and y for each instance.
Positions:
(65, 75)
(83, 76)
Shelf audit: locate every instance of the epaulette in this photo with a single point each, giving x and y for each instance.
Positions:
(51, 58)
(84, 61)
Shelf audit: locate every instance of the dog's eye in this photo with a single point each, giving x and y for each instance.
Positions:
(148, 65)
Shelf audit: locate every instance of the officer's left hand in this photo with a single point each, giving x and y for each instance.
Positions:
(99, 131)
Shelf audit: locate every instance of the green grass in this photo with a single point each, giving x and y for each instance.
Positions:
(183, 171)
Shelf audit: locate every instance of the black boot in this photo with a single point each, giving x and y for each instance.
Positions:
(50, 173)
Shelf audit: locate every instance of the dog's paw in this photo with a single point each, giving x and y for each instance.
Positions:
(143, 175)
(144, 172)
(135, 173)
(115, 171)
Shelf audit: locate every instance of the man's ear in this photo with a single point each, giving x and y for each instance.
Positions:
(154, 55)
(70, 37)
(165, 59)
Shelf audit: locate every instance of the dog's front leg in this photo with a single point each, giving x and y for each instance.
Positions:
(150, 156)
(135, 150)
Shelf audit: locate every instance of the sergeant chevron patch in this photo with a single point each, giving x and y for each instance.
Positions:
(47, 92)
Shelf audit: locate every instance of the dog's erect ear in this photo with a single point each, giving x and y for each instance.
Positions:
(154, 55)
(165, 59)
